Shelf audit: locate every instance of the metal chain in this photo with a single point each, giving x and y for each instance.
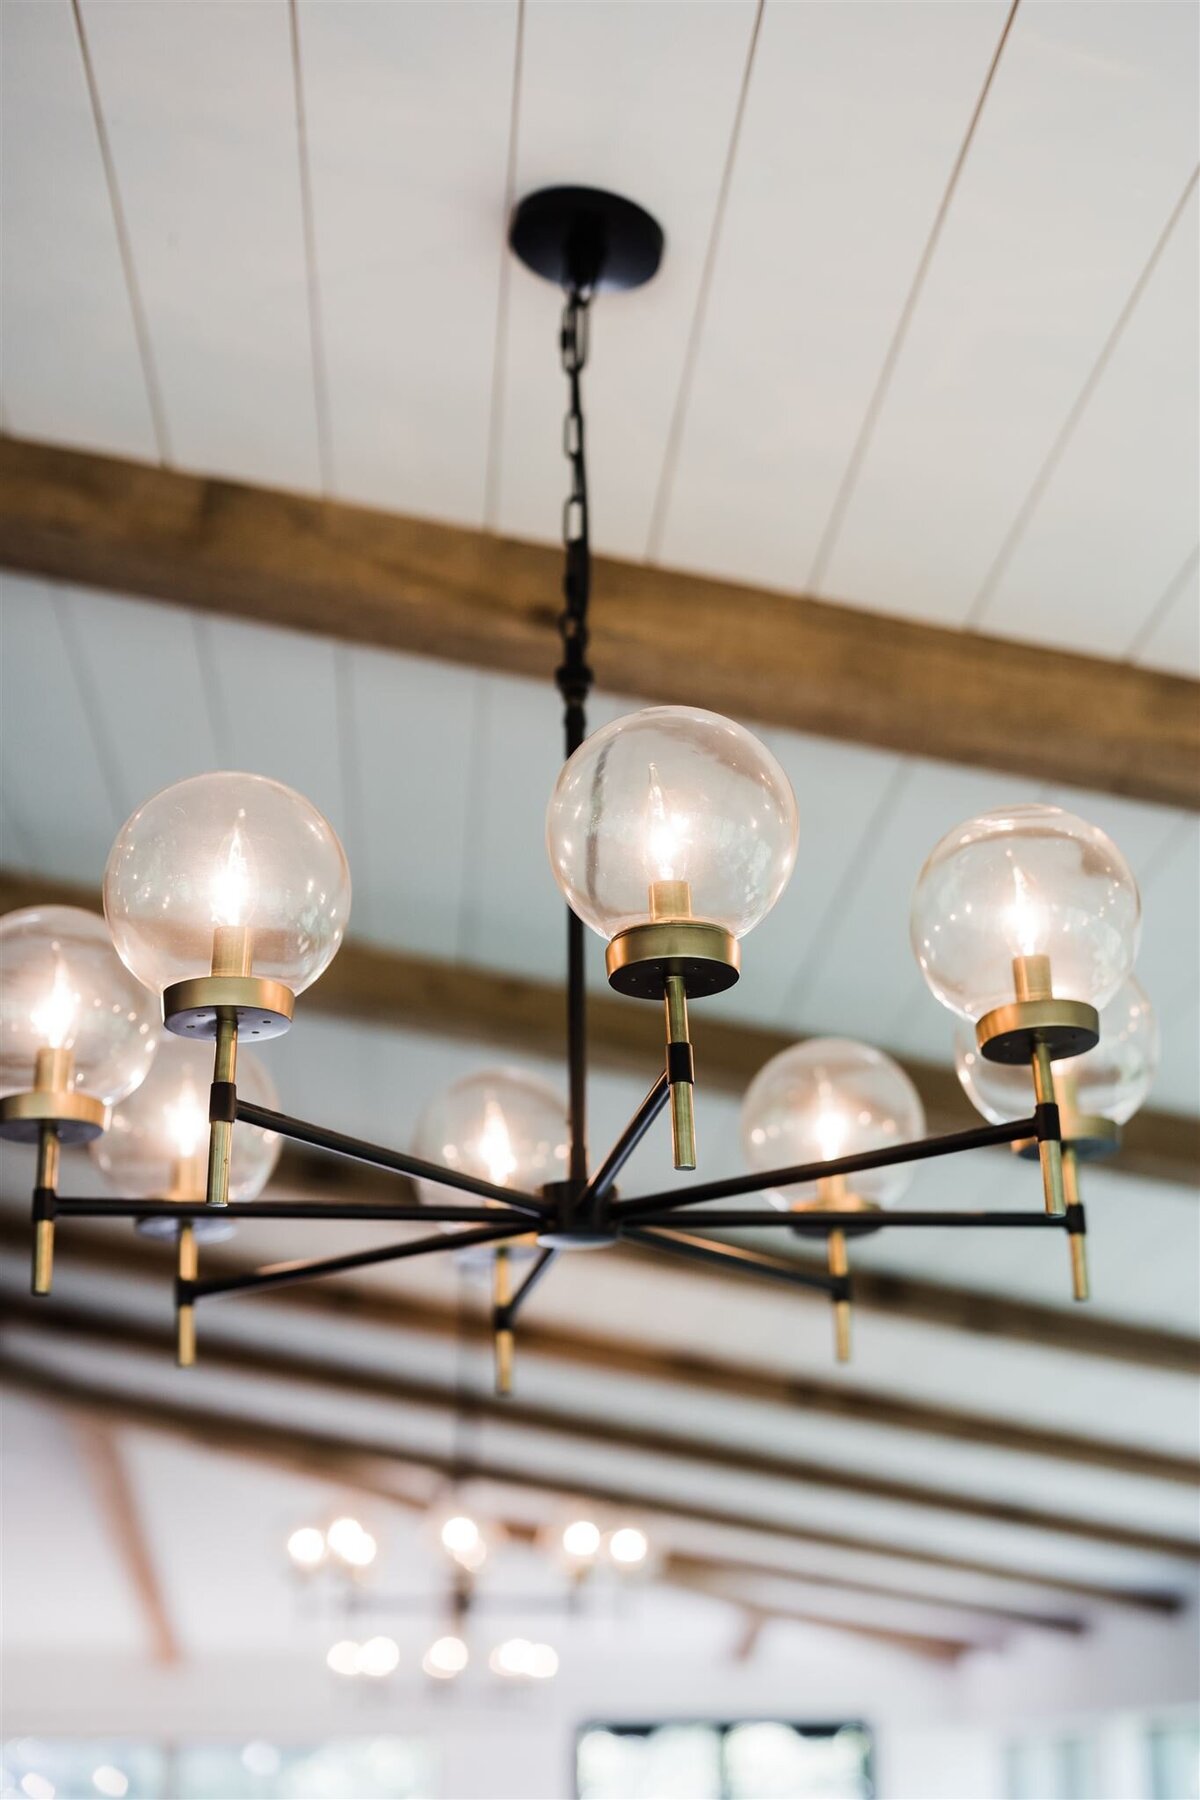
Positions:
(574, 677)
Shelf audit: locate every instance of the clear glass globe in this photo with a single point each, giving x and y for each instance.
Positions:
(672, 813)
(157, 1146)
(500, 1126)
(1028, 881)
(1109, 1082)
(826, 1098)
(227, 864)
(63, 988)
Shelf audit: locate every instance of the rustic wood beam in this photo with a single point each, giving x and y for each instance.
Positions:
(468, 596)
(99, 1253)
(89, 1325)
(119, 1511)
(204, 1423)
(417, 993)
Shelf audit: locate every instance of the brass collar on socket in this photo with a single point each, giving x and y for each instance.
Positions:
(705, 957)
(1011, 1034)
(76, 1117)
(262, 1008)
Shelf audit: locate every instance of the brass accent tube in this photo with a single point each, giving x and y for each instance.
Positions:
(185, 1314)
(683, 1110)
(220, 1132)
(1050, 1152)
(43, 1229)
(1076, 1240)
(1031, 978)
(839, 1265)
(501, 1295)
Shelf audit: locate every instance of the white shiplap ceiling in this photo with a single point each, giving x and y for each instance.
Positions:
(924, 340)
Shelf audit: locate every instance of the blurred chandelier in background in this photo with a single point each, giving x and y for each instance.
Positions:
(671, 834)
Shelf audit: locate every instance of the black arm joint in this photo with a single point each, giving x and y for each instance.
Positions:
(839, 1287)
(681, 1064)
(45, 1204)
(185, 1292)
(1049, 1128)
(222, 1103)
(1074, 1221)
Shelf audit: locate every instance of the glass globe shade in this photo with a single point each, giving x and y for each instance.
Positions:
(232, 854)
(672, 813)
(62, 988)
(1109, 1082)
(825, 1098)
(157, 1145)
(500, 1126)
(1028, 881)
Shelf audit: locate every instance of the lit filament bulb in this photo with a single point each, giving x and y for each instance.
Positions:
(54, 1018)
(232, 894)
(1025, 918)
(665, 842)
(495, 1146)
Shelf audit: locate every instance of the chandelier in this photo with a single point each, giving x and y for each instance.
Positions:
(671, 833)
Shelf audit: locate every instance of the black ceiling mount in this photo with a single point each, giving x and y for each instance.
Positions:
(586, 239)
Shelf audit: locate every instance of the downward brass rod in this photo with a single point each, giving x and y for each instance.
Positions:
(188, 1267)
(503, 1344)
(43, 1229)
(1049, 1149)
(683, 1111)
(1076, 1240)
(839, 1265)
(220, 1132)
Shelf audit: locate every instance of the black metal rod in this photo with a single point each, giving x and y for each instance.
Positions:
(848, 1221)
(504, 1315)
(285, 1274)
(978, 1138)
(576, 1045)
(731, 1256)
(629, 1139)
(398, 1161)
(408, 1212)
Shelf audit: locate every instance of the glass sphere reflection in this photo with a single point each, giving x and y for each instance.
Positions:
(157, 1146)
(501, 1126)
(62, 987)
(672, 813)
(1027, 881)
(825, 1098)
(228, 853)
(1109, 1082)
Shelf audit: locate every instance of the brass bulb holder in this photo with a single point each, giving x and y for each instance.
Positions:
(196, 1008)
(1012, 1033)
(76, 1117)
(641, 959)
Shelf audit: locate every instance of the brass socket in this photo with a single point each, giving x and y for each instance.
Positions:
(706, 957)
(1009, 1034)
(194, 1008)
(77, 1117)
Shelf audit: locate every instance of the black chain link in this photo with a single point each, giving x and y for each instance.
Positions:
(573, 676)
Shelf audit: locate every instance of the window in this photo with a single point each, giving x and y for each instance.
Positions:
(759, 1759)
(384, 1768)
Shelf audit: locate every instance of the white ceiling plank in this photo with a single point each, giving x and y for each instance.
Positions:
(640, 99)
(408, 112)
(853, 119)
(1172, 640)
(1081, 154)
(412, 724)
(71, 371)
(1118, 515)
(1169, 965)
(199, 104)
(54, 792)
(146, 690)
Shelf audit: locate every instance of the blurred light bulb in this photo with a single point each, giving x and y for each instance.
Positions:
(109, 1780)
(186, 1118)
(306, 1547)
(54, 1018)
(37, 1787)
(350, 1543)
(674, 799)
(581, 1539)
(518, 1659)
(378, 1657)
(827, 1098)
(628, 1546)
(465, 1542)
(495, 1146)
(542, 1662)
(1028, 881)
(343, 1657)
(445, 1658)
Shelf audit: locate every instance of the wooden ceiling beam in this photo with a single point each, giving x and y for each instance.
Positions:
(468, 596)
(121, 1516)
(100, 1254)
(206, 1424)
(416, 993)
(90, 1325)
